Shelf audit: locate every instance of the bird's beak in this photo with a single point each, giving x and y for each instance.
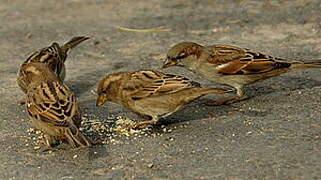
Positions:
(169, 63)
(101, 100)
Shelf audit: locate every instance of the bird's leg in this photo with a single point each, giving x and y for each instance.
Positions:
(141, 125)
(50, 141)
(144, 124)
(240, 93)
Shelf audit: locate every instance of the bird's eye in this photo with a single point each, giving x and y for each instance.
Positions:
(104, 91)
(181, 56)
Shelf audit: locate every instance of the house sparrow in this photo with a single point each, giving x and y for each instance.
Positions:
(52, 106)
(231, 65)
(54, 56)
(150, 93)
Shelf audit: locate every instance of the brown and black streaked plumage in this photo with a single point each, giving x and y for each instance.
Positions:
(150, 93)
(52, 106)
(54, 56)
(231, 65)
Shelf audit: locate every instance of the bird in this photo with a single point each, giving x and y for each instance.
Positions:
(52, 106)
(231, 65)
(150, 93)
(54, 56)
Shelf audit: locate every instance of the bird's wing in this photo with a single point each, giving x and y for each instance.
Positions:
(232, 60)
(53, 103)
(154, 83)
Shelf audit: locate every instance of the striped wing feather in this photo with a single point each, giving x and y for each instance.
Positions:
(231, 60)
(154, 83)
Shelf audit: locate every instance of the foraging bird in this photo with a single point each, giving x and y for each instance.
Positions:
(54, 56)
(52, 106)
(231, 65)
(150, 93)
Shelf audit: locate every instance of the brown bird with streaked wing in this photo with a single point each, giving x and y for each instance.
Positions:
(52, 106)
(150, 93)
(231, 65)
(54, 56)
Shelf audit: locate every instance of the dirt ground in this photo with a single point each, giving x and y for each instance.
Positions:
(275, 134)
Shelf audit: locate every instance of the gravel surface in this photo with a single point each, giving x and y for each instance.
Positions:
(275, 134)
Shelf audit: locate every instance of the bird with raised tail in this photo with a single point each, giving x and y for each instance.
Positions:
(231, 65)
(54, 56)
(52, 106)
(150, 93)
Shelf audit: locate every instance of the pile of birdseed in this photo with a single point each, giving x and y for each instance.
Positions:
(36, 137)
(107, 130)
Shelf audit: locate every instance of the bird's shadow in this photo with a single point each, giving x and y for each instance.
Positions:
(197, 110)
(90, 78)
(86, 81)
(97, 151)
(282, 84)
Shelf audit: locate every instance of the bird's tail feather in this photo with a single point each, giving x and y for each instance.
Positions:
(306, 64)
(73, 43)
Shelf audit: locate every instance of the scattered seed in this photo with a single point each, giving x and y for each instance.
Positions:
(150, 165)
(36, 148)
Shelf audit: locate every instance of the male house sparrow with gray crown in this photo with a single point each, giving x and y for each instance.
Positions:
(150, 93)
(54, 56)
(52, 106)
(231, 65)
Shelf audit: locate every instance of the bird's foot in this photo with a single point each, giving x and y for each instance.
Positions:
(140, 125)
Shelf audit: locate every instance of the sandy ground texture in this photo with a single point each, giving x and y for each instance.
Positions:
(275, 134)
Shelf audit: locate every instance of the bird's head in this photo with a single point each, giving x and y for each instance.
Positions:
(181, 53)
(105, 88)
